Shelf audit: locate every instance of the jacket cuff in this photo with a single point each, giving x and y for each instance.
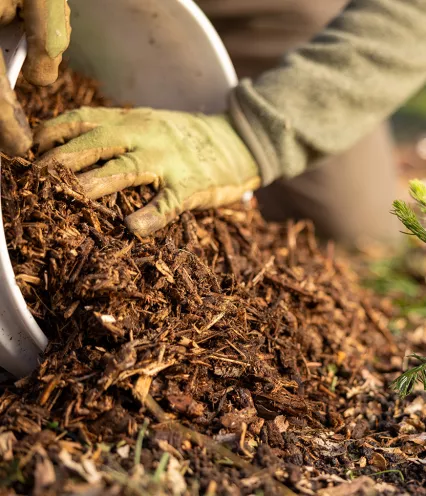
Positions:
(267, 134)
(243, 125)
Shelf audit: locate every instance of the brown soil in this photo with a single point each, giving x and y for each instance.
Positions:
(224, 355)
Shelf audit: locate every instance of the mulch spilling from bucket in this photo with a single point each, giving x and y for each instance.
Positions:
(225, 355)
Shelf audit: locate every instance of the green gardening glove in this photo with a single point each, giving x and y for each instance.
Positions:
(15, 134)
(193, 160)
(47, 29)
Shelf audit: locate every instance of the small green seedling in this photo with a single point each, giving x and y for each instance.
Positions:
(413, 219)
(405, 383)
(407, 215)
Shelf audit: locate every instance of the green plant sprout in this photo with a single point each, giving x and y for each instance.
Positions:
(409, 216)
(405, 383)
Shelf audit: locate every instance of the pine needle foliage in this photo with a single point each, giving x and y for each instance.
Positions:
(418, 193)
(405, 383)
(407, 215)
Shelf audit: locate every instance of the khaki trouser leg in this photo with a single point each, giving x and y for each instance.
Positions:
(348, 196)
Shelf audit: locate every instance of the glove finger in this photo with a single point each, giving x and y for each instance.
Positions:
(47, 27)
(70, 125)
(85, 150)
(162, 210)
(15, 134)
(114, 176)
(171, 202)
(47, 137)
(7, 11)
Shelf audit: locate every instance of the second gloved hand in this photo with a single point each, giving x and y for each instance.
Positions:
(193, 160)
(47, 30)
(15, 134)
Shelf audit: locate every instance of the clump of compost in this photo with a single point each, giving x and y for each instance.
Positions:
(224, 355)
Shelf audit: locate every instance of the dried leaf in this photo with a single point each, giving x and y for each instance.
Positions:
(175, 480)
(44, 473)
(7, 441)
(378, 461)
(86, 469)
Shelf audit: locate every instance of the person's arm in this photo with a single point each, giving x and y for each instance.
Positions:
(329, 93)
(321, 100)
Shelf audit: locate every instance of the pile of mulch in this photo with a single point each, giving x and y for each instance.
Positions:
(225, 355)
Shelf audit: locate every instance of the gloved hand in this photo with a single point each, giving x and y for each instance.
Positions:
(47, 29)
(15, 134)
(194, 161)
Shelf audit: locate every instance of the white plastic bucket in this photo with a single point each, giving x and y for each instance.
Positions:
(156, 53)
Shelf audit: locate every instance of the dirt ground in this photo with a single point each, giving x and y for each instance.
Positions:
(225, 355)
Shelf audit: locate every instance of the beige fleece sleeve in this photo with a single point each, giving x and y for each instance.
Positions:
(329, 93)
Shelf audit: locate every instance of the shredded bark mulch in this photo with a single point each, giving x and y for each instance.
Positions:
(226, 355)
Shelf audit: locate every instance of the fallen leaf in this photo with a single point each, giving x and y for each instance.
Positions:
(86, 470)
(378, 461)
(281, 422)
(123, 451)
(7, 440)
(175, 479)
(418, 438)
(141, 388)
(44, 473)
